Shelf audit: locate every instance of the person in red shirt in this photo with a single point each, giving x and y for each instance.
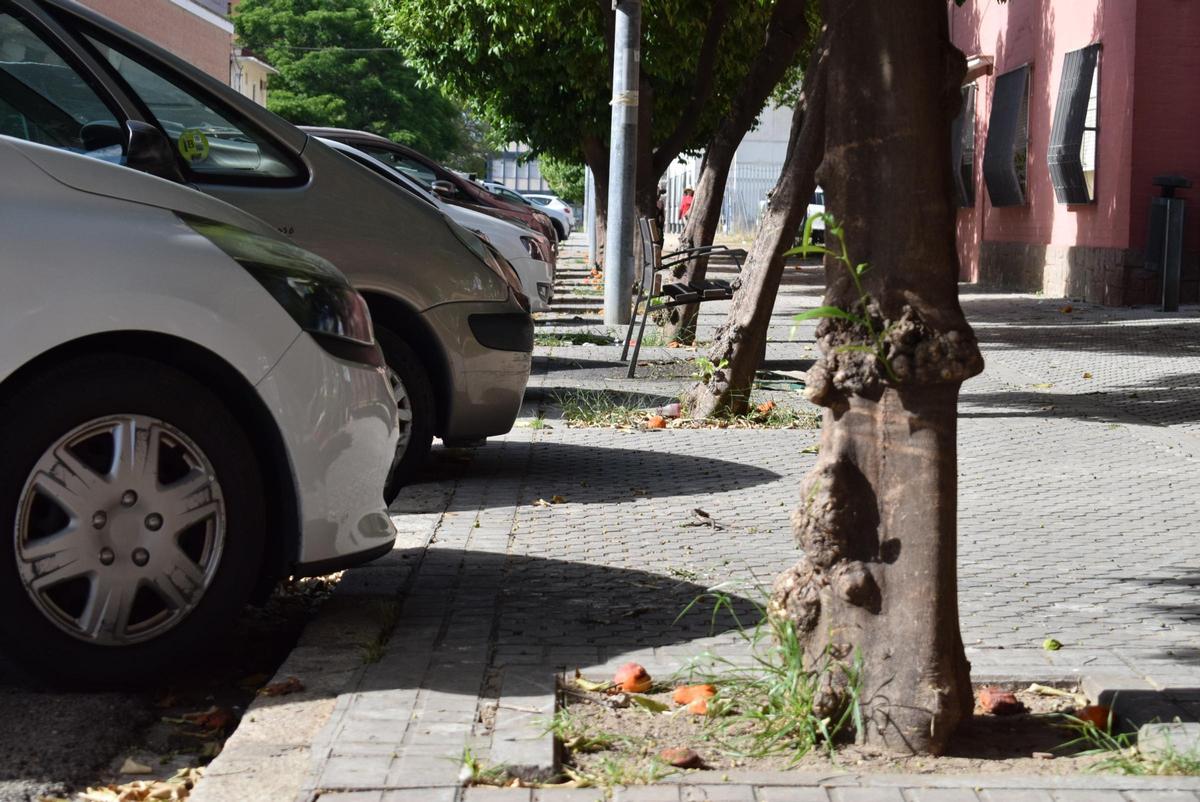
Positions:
(685, 205)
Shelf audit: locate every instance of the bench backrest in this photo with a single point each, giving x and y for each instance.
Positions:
(646, 226)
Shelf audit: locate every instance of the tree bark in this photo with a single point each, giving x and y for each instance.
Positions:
(786, 34)
(740, 341)
(595, 155)
(877, 518)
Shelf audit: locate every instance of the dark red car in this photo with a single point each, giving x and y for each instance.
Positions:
(449, 185)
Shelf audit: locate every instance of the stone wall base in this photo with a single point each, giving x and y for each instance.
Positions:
(1109, 276)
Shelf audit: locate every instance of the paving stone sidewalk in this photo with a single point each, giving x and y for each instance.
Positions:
(1079, 510)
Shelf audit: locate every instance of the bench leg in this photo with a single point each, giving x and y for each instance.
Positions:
(632, 320)
(641, 334)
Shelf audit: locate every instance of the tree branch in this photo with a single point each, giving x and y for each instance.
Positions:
(701, 93)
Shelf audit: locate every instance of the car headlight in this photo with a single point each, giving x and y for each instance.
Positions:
(479, 245)
(534, 248)
(309, 288)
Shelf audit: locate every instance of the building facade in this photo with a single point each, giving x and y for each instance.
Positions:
(199, 32)
(1072, 110)
(510, 168)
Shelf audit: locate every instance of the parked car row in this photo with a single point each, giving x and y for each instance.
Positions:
(224, 344)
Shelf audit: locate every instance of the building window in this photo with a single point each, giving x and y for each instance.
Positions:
(962, 149)
(1006, 154)
(1072, 154)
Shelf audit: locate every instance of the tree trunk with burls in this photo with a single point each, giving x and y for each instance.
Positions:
(877, 514)
(741, 340)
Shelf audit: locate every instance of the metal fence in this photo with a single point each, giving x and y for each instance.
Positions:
(744, 201)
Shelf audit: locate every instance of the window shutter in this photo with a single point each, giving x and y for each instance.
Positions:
(1006, 153)
(963, 149)
(1064, 157)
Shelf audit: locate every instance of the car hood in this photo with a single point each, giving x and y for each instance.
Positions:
(98, 177)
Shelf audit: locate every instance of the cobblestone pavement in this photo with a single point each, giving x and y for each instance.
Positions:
(1079, 510)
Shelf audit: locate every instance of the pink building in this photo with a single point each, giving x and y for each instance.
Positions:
(198, 31)
(1077, 106)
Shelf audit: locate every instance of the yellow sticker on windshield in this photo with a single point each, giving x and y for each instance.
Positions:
(193, 145)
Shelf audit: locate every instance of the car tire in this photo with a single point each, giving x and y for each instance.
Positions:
(414, 393)
(560, 230)
(195, 466)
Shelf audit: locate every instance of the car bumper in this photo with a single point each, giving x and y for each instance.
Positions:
(338, 423)
(487, 379)
(537, 281)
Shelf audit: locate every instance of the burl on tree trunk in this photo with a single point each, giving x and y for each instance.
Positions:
(877, 514)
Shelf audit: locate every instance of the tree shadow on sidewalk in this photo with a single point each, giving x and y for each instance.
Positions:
(602, 474)
(555, 614)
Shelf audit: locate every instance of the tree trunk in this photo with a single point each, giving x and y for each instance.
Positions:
(595, 155)
(786, 34)
(741, 340)
(877, 520)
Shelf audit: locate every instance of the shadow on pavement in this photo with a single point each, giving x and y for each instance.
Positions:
(592, 474)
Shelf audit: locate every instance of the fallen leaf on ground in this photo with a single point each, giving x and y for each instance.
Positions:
(1087, 375)
(1043, 756)
(765, 407)
(646, 703)
(681, 757)
(673, 344)
(656, 422)
(698, 707)
(558, 499)
(1066, 310)
(289, 685)
(1051, 645)
(215, 718)
(999, 702)
(131, 766)
(591, 685)
(632, 678)
(541, 502)
(686, 694)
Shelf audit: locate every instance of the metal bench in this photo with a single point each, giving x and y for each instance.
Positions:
(674, 293)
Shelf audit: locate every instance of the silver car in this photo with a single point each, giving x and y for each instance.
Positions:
(454, 326)
(190, 407)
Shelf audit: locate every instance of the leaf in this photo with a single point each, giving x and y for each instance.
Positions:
(215, 718)
(289, 685)
(825, 311)
(131, 766)
(558, 499)
(1051, 645)
(646, 703)
(592, 685)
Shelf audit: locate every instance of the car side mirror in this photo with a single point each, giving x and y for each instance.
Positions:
(147, 149)
(444, 188)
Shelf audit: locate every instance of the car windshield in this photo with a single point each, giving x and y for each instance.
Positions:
(44, 100)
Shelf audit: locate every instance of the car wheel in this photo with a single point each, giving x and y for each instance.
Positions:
(418, 411)
(133, 515)
(560, 230)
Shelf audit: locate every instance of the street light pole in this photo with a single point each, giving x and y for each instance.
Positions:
(618, 251)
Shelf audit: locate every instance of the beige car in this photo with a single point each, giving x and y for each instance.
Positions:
(451, 319)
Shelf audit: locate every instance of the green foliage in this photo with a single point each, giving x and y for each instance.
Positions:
(1118, 752)
(860, 315)
(706, 368)
(336, 70)
(767, 707)
(544, 77)
(565, 178)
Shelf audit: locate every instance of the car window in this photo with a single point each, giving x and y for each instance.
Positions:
(45, 100)
(379, 171)
(509, 195)
(211, 143)
(539, 201)
(410, 167)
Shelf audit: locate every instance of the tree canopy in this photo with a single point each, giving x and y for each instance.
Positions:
(565, 178)
(545, 78)
(335, 69)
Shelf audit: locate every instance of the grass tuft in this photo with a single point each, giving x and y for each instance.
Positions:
(573, 338)
(1117, 752)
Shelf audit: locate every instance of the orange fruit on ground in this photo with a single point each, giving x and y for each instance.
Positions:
(632, 678)
(656, 422)
(686, 694)
(1096, 715)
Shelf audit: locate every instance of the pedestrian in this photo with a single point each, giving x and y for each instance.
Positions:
(685, 205)
(660, 213)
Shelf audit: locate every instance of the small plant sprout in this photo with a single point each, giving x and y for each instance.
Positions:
(706, 368)
(877, 337)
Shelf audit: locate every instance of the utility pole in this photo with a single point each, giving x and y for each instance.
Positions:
(622, 163)
(589, 214)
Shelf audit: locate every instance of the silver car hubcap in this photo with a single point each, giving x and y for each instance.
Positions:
(119, 529)
(404, 413)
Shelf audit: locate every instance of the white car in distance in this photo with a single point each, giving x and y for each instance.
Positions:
(558, 209)
(192, 408)
(527, 251)
(562, 221)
